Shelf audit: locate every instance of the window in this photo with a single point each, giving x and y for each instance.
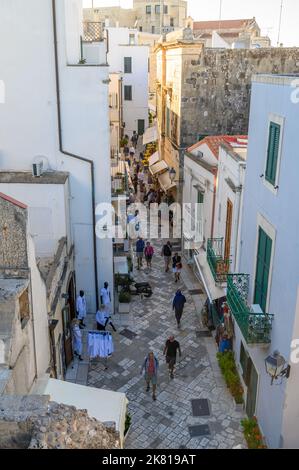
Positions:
(148, 9)
(24, 308)
(165, 9)
(262, 269)
(128, 64)
(200, 197)
(128, 92)
(157, 9)
(153, 29)
(273, 152)
(140, 29)
(132, 39)
(172, 22)
(167, 121)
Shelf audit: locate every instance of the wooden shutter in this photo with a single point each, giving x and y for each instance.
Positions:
(228, 229)
(128, 64)
(273, 151)
(262, 269)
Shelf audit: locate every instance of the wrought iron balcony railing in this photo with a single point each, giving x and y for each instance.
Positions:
(255, 327)
(218, 265)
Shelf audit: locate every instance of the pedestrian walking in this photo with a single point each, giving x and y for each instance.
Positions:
(178, 306)
(77, 338)
(134, 139)
(177, 266)
(139, 251)
(166, 252)
(148, 253)
(81, 308)
(132, 152)
(150, 367)
(170, 352)
(135, 183)
(106, 296)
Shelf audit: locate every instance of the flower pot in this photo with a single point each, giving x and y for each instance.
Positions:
(123, 308)
(239, 407)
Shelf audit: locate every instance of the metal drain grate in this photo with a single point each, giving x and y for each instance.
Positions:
(199, 430)
(200, 407)
(128, 333)
(195, 291)
(204, 334)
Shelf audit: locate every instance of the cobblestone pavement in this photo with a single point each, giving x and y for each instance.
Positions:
(165, 423)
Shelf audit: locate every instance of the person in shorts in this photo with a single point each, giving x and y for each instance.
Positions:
(150, 368)
(170, 352)
(139, 251)
(166, 252)
(148, 253)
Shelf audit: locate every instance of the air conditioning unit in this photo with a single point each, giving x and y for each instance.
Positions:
(256, 308)
(37, 169)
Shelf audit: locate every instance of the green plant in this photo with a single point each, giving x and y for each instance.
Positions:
(253, 434)
(228, 368)
(130, 264)
(122, 280)
(123, 142)
(82, 61)
(124, 297)
(127, 422)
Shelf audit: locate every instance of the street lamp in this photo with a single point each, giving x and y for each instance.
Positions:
(276, 366)
(172, 174)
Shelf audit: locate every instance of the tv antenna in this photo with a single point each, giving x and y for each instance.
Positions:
(220, 15)
(279, 27)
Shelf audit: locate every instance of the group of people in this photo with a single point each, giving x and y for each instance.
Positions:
(150, 365)
(103, 317)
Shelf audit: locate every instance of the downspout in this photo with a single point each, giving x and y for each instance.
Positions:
(72, 155)
(33, 320)
(242, 167)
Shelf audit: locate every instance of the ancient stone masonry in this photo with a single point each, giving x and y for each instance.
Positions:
(35, 422)
(216, 88)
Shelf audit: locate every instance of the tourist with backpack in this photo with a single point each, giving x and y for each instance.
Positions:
(166, 252)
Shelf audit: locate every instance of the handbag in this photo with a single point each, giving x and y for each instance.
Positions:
(179, 265)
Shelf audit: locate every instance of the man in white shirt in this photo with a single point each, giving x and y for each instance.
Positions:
(106, 297)
(81, 308)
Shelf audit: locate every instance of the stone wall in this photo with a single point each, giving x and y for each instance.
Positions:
(13, 236)
(216, 87)
(35, 422)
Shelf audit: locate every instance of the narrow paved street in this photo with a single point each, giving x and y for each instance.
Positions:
(165, 423)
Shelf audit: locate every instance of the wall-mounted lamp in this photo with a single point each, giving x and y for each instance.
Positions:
(276, 366)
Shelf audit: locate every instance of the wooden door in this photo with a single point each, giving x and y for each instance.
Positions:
(228, 229)
(252, 382)
(141, 126)
(67, 336)
(71, 298)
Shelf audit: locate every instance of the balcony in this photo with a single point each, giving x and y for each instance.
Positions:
(255, 327)
(92, 31)
(218, 265)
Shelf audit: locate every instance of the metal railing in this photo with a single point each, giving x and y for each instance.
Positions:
(218, 265)
(255, 327)
(92, 31)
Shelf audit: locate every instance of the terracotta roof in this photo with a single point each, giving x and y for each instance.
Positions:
(224, 24)
(13, 201)
(223, 35)
(213, 142)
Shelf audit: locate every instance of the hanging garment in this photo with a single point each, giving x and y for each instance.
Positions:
(100, 344)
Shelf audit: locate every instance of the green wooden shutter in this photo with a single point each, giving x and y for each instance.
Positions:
(128, 64)
(273, 150)
(200, 197)
(262, 269)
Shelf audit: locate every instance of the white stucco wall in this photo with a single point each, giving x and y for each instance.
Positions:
(30, 113)
(279, 215)
(229, 168)
(119, 47)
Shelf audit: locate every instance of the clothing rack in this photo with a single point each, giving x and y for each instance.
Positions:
(102, 333)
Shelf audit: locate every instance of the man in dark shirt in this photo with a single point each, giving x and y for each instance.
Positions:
(170, 351)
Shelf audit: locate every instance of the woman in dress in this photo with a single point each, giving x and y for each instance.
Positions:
(77, 339)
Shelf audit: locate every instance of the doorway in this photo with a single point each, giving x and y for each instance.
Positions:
(252, 382)
(67, 336)
(141, 126)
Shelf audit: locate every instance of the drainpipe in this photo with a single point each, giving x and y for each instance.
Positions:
(72, 155)
(33, 327)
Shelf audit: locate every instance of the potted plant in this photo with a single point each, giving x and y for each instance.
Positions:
(252, 434)
(124, 300)
(128, 424)
(123, 142)
(230, 374)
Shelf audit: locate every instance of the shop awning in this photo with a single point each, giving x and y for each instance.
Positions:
(159, 167)
(150, 135)
(104, 405)
(165, 182)
(154, 158)
(212, 290)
